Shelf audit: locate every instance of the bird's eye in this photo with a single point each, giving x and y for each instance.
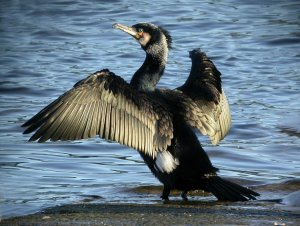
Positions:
(139, 30)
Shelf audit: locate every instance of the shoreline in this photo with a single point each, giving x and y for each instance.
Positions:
(173, 213)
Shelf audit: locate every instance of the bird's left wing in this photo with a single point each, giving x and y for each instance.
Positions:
(104, 104)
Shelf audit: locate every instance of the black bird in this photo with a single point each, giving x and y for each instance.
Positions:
(158, 123)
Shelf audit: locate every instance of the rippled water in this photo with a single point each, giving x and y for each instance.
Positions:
(47, 46)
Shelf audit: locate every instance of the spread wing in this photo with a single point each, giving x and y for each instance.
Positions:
(189, 110)
(204, 87)
(104, 104)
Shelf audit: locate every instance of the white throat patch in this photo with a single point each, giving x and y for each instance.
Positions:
(145, 39)
(165, 162)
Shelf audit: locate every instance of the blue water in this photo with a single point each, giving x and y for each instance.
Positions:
(46, 46)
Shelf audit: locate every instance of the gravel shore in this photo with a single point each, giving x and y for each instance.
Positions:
(174, 213)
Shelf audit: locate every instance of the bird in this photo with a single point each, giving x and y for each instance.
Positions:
(158, 122)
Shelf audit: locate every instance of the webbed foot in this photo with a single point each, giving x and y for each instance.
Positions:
(165, 194)
(184, 196)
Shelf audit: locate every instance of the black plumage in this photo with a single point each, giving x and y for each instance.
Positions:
(156, 122)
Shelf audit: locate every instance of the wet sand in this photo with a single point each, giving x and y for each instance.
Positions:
(173, 213)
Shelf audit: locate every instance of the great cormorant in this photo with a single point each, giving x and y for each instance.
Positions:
(158, 123)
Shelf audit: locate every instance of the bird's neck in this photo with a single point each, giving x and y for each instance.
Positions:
(149, 74)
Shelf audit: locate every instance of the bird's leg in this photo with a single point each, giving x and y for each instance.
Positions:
(184, 196)
(166, 193)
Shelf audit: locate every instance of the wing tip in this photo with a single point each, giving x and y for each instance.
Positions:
(196, 52)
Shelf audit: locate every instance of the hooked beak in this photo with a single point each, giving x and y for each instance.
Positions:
(129, 30)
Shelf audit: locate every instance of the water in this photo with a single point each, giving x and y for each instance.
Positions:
(47, 46)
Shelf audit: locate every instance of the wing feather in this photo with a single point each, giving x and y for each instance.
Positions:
(104, 104)
(122, 127)
(95, 120)
(102, 114)
(89, 130)
(204, 87)
(86, 130)
(107, 122)
(190, 111)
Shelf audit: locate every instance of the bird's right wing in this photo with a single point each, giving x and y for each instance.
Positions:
(204, 87)
(104, 104)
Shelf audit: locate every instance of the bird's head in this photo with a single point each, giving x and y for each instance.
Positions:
(151, 37)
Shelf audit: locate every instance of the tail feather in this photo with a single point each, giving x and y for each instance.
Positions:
(228, 191)
(225, 192)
